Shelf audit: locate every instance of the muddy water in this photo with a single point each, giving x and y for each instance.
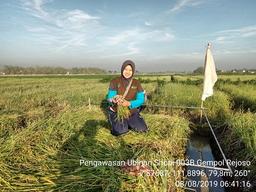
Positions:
(201, 179)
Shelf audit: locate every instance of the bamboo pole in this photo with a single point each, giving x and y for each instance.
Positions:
(201, 111)
(89, 103)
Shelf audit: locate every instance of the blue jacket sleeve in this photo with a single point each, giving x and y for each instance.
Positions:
(138, 101)
(111, 94)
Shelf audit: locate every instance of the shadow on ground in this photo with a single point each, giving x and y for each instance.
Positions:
(83, 145)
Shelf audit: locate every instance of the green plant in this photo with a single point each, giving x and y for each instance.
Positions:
(122, 113)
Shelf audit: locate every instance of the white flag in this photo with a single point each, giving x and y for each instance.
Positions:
(210, 76)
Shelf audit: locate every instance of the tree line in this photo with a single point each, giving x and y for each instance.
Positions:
(200, 70)
(7, 69)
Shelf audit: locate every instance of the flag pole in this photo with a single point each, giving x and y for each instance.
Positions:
(201, 114)
(202, 101)
(210, 77)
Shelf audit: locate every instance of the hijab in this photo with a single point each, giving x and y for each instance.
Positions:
(123, 79)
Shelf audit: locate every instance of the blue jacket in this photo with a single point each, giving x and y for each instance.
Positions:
(140, 98)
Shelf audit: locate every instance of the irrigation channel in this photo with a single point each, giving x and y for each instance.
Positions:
(201, 179)
(203, 175)
(203, 150)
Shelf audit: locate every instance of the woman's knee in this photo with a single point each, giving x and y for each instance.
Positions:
(138, 124)
(119, 128)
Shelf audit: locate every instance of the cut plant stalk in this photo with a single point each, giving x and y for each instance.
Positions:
(122, 113)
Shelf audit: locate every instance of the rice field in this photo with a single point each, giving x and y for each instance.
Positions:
(243, 95)
(48, 125)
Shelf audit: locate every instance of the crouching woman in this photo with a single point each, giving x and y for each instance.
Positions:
(126, 95)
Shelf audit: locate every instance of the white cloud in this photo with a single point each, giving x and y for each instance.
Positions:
(136, 14)
(241, 30)
(64, 29)
(180, 4)
(185, 55)
(122, 37)
(35, 8)
(60, 28)
(166, 37)
(234, 51)
(147, 23)
(133, 49)
(224, 39)
(76, 41)
(36, 29)
(231, 35)
(249, 34)
(139, 35)
(131, 42)
(77, 18)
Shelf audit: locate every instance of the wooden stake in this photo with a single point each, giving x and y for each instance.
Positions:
(89, 103)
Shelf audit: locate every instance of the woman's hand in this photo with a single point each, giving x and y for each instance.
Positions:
(121, 101)
(124, 103)
(117, 99)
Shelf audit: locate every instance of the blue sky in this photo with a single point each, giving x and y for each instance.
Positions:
(159, 35)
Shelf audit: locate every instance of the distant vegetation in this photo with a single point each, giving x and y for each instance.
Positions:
(200, 70)
(7, 69)
(16, 70)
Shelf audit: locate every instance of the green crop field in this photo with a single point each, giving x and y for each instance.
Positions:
(49, 124)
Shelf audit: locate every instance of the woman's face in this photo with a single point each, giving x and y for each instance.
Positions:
(127, 72)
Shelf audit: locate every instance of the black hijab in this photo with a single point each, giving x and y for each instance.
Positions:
(127, 80)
